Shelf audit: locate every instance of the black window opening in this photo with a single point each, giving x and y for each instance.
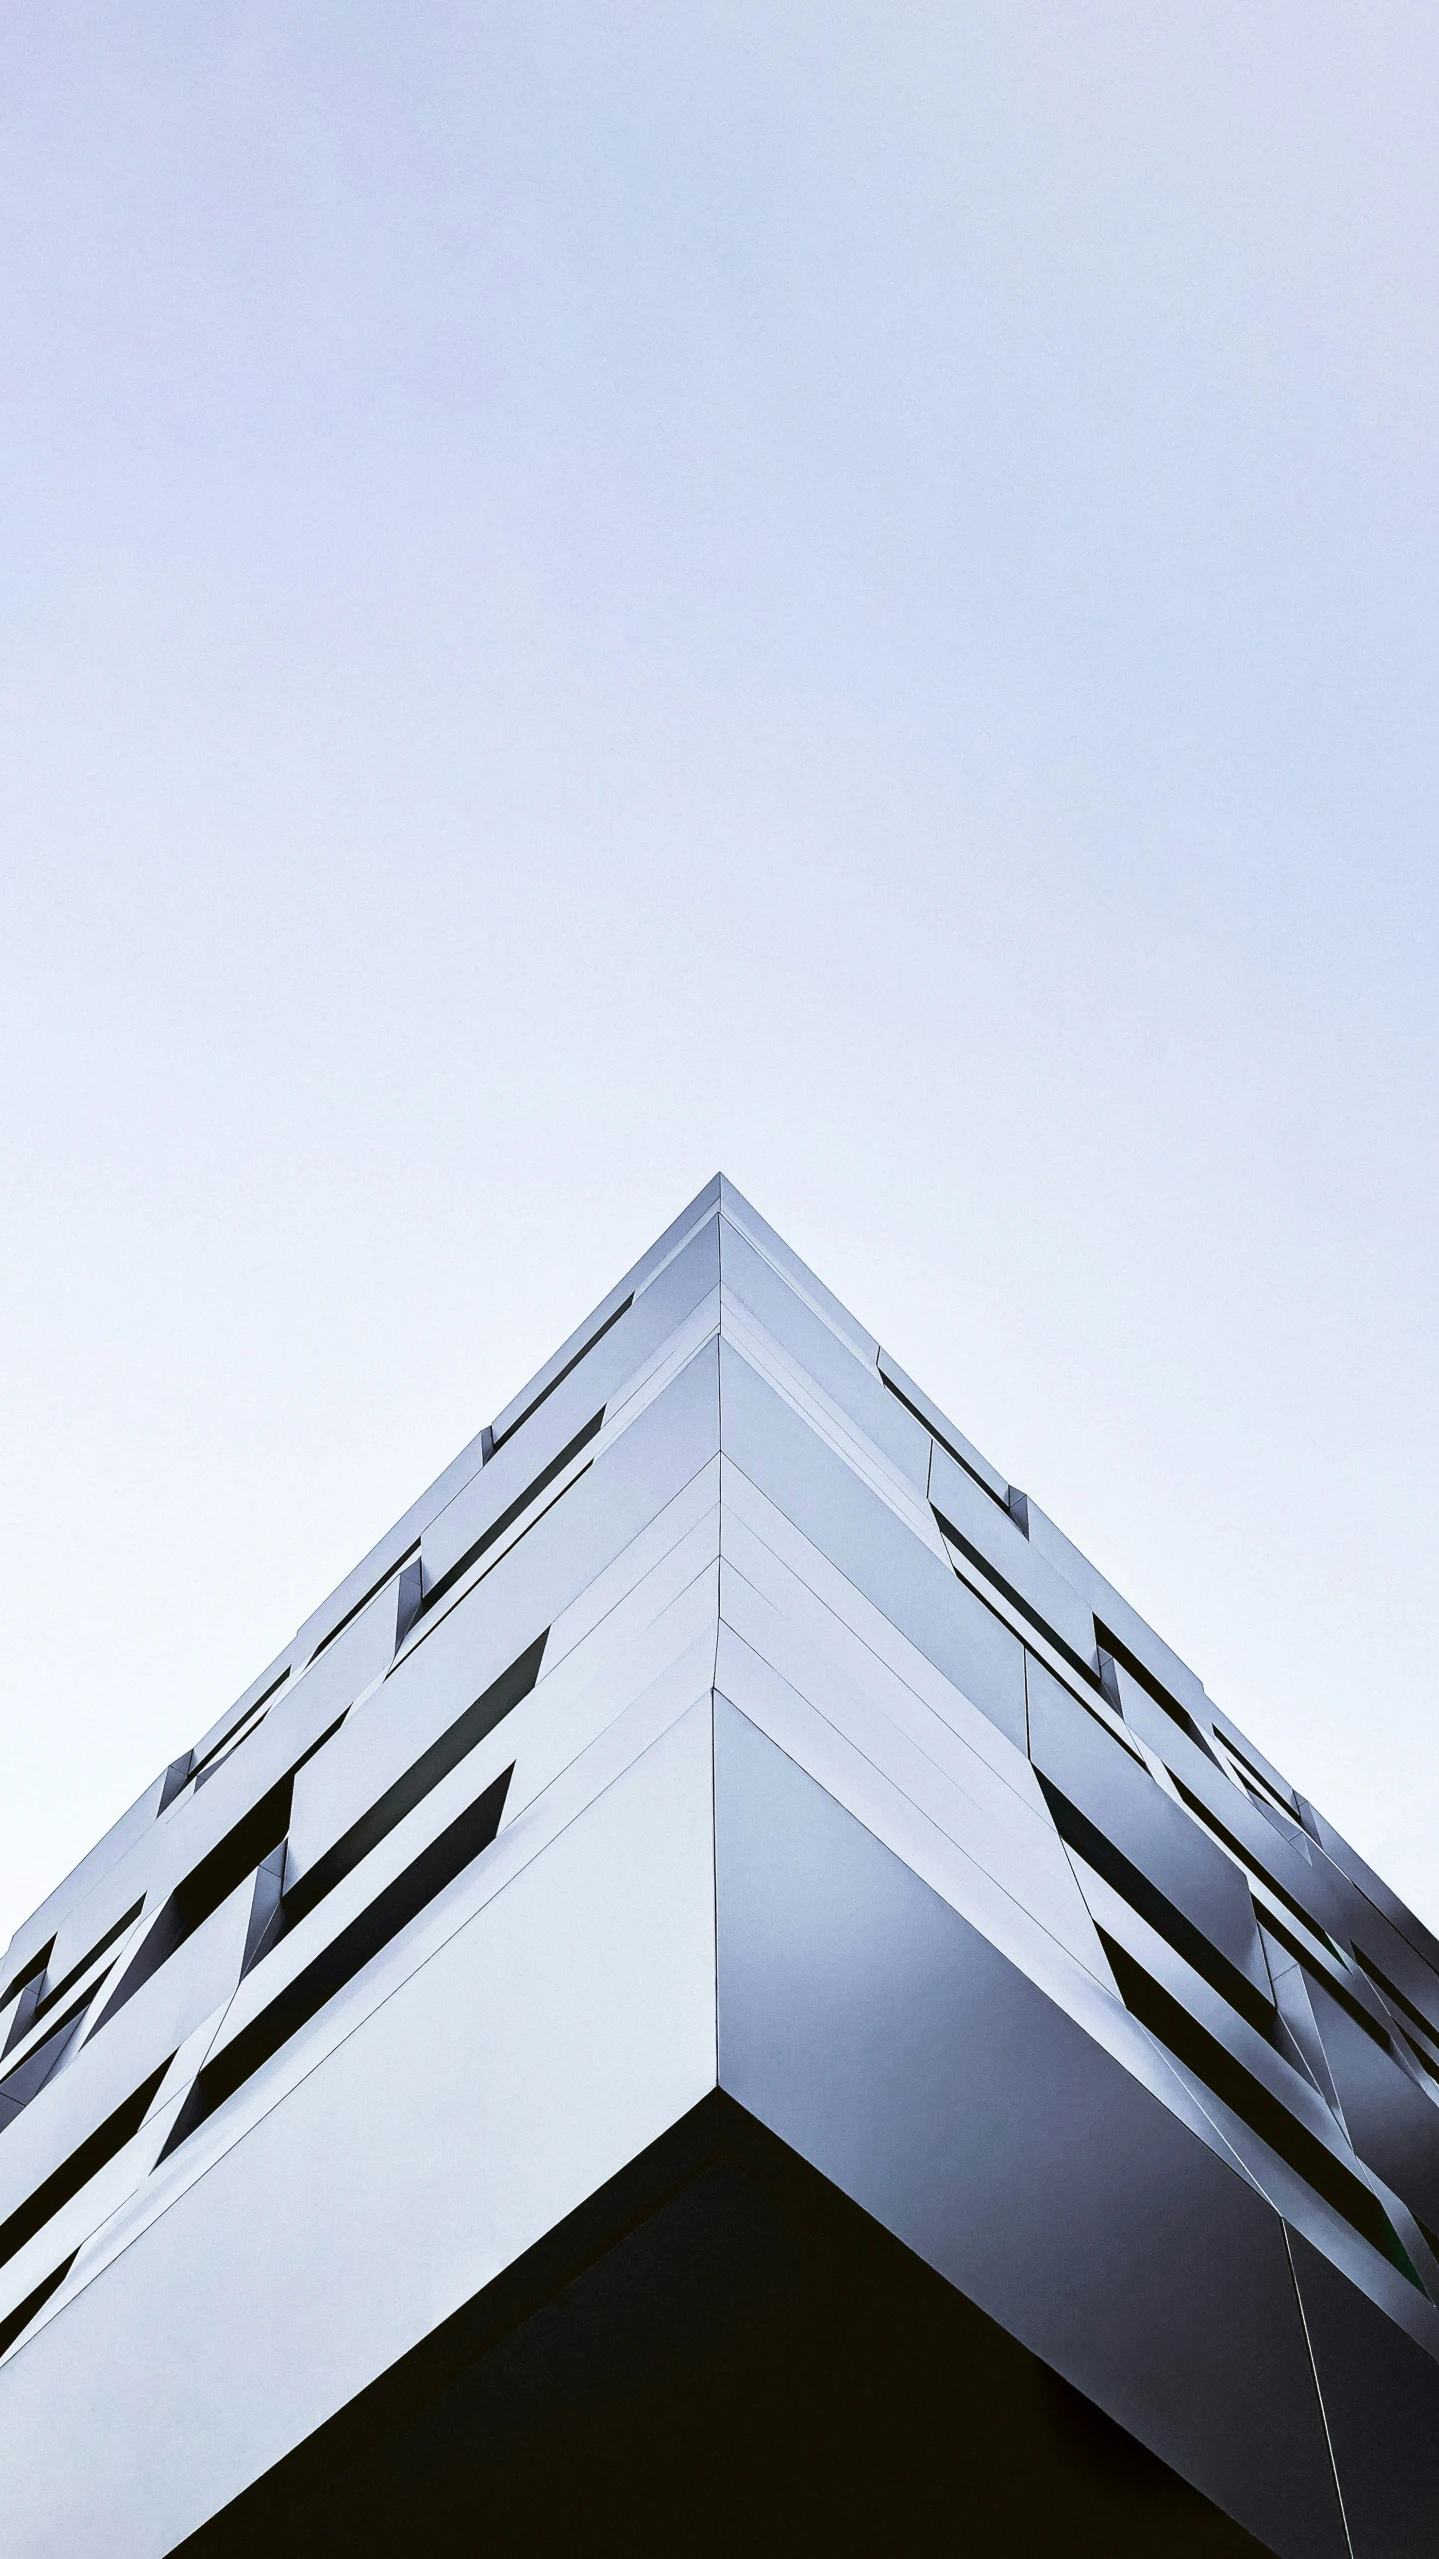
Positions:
(15, 2323)
(257, 1843)
(198, 1896)
(337, 1964)
(499, 1438)
(490, 1708)
(1171, 1924)
(77, 1972)
(32, 1965)
(93, 2154)
(508, 1516)
(1257, 2106)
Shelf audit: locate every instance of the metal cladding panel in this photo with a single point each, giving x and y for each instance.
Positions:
(116, 2056)
(355, 1655)
(886, 1560)
(831, 1361)
(1381, 2401)
(1406, 1982)
(1306, 1884)
(746, 1221)
(897, 2051)
(1392, 2123)
(263, 1686)
(1015, 1848)
(1254, 1759)
(560, 2031)
(1114, 1612)
(134, 1828)
(751, 1519)
(1372, 1886)
(941, 1427)
(769, 1555)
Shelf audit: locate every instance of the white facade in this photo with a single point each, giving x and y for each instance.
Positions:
(841, 1783)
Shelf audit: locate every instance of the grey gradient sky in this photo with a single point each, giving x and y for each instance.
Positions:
(589, 593)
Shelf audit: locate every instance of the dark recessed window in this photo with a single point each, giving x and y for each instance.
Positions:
(345, 1956)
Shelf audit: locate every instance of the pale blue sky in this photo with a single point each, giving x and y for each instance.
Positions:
(593, 593)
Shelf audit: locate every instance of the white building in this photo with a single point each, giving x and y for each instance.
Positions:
(726, 1990)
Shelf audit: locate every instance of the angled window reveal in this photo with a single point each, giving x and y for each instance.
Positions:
(1246, 1856)
(94, 2153)
(558, 1379)
(947, 1445)
(26, 2079)
(1155, 1907)
(194, 1900)
(1023, 1607)
(1153, 1688)
(1255, 1779)
(338, 1963)
(507, 1517)
(1395, 1997)
(177, 1778)
(1114, 1733)
(16, 2321)
(1427, 2063)
(419, 1780)
(1331, 1980)
(240, 1731)
(78, 1971)
(26, 1988)
(1257, 2106)
(409, 1597)
(267, 1918)
(388, 1575)
(33, 1966)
